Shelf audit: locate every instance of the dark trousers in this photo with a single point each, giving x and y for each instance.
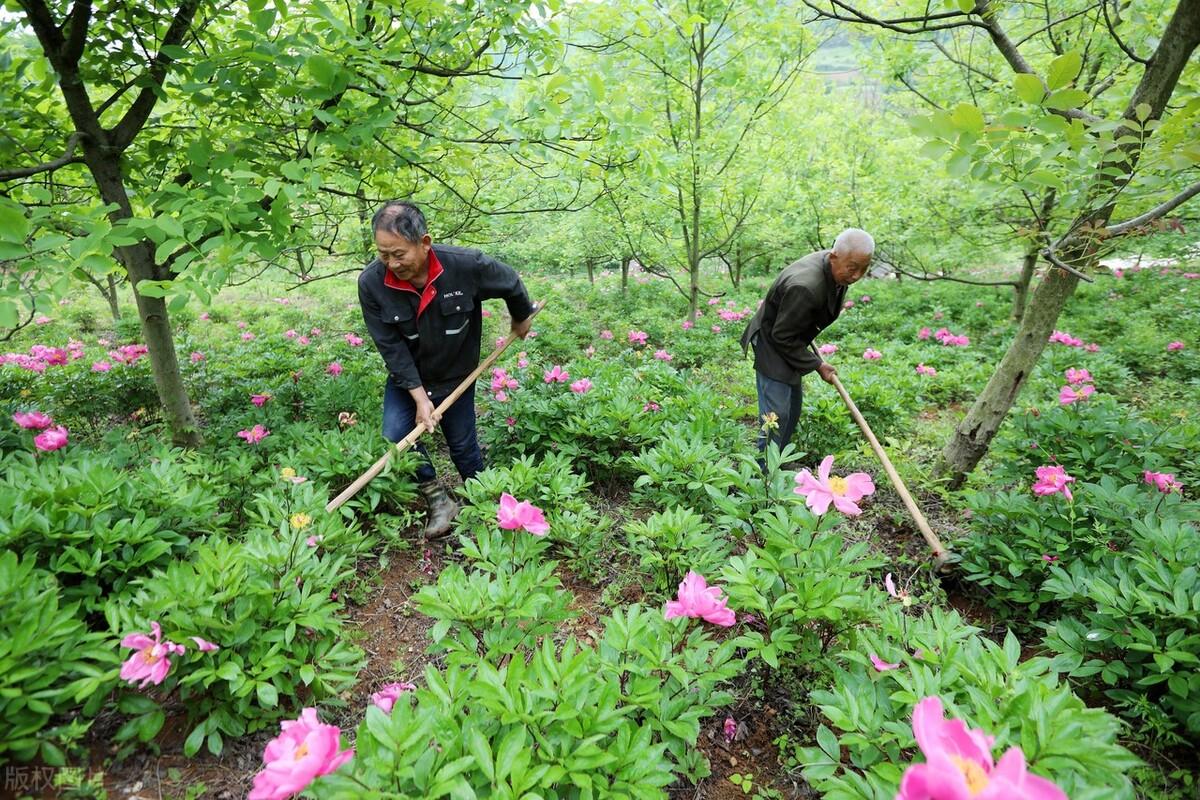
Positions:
(784, 401)
(457, 424)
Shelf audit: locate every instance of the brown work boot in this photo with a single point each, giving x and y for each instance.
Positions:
(442, 510)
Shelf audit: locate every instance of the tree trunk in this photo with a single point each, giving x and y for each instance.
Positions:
(1029, 263)
(973, 435)
(625, 273)
(591, 271)
(112, 298)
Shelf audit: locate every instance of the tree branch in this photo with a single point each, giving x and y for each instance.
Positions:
(67, 158)
(1154, 213)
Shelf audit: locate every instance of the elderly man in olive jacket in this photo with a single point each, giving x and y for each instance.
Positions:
(804, 300)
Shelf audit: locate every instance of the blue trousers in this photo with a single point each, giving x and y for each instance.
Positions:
(457, 424)
(784, 401)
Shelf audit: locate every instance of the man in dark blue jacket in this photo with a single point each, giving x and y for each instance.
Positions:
(422, 304)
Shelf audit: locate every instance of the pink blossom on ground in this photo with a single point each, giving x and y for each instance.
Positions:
(512, 515)
(924, 334)
(259, 399)
(637, 337)
(51, 439)
(1053, 480)
(866, 298)
(291, 334)
(151, 662)
(729, 729)
(204, 646)
(304, 750)
(1164, 481)
(204, 316)
(1061, 337)
(197, 356)
(353, 341)
(1078, 376)
(581, 386)
(43, 320)
(849, 304)
(247, 337)
(606, 334)
(959, 766)
(688, 324)
(386, 697)
(556, 374)
(882, 665)
(716, 329)
(510, 421)
(827, 349)
(1049, 559)
(589, 352)
(255, 434)
(241, 325)
(315, 332)
(924, 370)
(101, 366)
(1092, 348)
(303, 341)
(312, 541)
(662, 355)
(712, 301)
(871, 354)
(32, 420)
(843, 493)
(1173, 346)
(334, 368)
(486, 313)
(1068, 395)
(698, 600)
(649, 407)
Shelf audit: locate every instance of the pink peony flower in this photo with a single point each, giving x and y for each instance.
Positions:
(716, 329)
(32, 420)
(712, 301)
(866, 298)
(303, 751)
(1092, 348)
(651, 407)
(291, 334)
(881, 665)
(259, 399)
(1053, 480)
(353, 341)
(386, 697)
(663, 355)
(688, 324)
(510, 421)
(729, 729)
(1075, 376)
(1049, 559)
(958, 764)
(334, 368)
(902, 595)
(1173, 346)
(589, 352)
(150, 663)
(924, 370)
(255, 434)
(303, 341)
(241, 325)
(486, 313)
(871, 354)
(204, 646)
(247, 336)
(556, 374)
(204, 316)
(697, 599)
(581, 386)
(1068, 395)
(606, 335)
(514, 516)
(827, 349)
(51, 439)
(43, 320)
(101, 366)
(924, 334)
(197, 356)
(1164, 481)
(822, 490)
(637, 337)
(315, 332)
(849, 304)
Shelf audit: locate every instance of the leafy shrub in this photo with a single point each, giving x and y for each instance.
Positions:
(670, 543)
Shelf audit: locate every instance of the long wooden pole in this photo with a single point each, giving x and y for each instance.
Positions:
(411, 439)
(940, 554)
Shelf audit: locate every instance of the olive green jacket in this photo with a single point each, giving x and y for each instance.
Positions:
(803, 301)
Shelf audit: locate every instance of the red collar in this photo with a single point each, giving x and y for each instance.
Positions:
(428, 293)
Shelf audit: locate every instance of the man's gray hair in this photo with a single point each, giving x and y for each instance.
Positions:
(401, 218)
(854, 241)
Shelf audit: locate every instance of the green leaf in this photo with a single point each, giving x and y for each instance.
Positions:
(1067, 98)
(191, 746)
(1029, 88)
(268, 696)
(478, 745)
(968, 117)
(1063, 70)
(14, 226)
(322, 69)
(828, 742)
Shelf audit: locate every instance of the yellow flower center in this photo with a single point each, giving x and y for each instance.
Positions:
(837, 485)
(301, 751)
(301, 521)
(977, 779)
(287, 472)
(149, 656)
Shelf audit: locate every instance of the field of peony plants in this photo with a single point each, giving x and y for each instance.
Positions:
(629, 606)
